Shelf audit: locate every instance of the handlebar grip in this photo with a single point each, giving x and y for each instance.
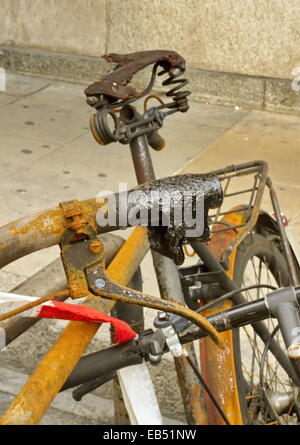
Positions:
(103, 362)
(156, 141)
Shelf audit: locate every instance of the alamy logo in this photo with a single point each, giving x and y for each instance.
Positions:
(152, 208)
(2, 79)
(296, 80)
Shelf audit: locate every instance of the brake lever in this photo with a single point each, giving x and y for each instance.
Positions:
(83, 259)
(100, 285)
(86, 277)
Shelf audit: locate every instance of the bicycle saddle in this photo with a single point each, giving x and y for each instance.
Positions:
(115, 83)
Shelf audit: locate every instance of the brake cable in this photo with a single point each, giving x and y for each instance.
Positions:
(152, 96)
(185, 324)
(205, 386)
(164, 323)
(232, 293)
(32, 304)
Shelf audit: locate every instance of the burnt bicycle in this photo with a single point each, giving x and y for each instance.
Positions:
(238, 301)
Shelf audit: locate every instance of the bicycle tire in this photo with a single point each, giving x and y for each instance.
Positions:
(254, 403)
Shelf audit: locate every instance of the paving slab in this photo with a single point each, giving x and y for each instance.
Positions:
(42, 121)
(6, 99)
(9, 280)
(266, 136)
(91, 407)
(18, 154)
(19, 86)
(53, 416)
(212, 115)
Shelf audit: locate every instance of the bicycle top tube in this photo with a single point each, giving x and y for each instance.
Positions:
(45, 229)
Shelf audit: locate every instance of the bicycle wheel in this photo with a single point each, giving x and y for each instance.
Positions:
(266, 392)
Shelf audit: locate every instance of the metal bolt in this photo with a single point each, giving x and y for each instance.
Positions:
(176, 351)
(92, 100)
(163, 316)
(95, 247)
(175, 72)
(100, 283)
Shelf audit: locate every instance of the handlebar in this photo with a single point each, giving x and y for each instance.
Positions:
(45, 229)
(104, 362)
(151, 345)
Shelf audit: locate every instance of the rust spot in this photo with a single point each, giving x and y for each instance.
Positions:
(218, 365)
(49, 222)
(53, 221)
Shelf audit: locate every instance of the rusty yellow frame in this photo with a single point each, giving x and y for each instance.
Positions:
(35, 398)
(42, 386)
(218, 365)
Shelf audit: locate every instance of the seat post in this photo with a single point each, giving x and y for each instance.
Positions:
(170, 289)
(142, 161)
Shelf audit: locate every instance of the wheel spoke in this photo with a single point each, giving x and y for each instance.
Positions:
(259, 270)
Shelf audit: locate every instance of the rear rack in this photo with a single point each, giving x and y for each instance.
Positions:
(248, 179)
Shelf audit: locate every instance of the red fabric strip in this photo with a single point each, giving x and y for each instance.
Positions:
(74, 312)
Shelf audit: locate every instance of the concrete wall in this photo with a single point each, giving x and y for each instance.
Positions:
(71, 26)
(256, 37)
(238, 52)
